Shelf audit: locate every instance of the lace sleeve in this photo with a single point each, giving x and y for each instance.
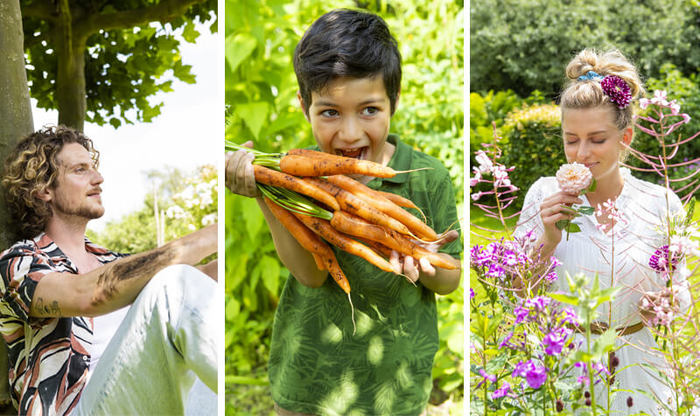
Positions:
(530, 219)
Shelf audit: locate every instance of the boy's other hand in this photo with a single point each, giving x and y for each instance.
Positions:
(411, 268)
(240, 177)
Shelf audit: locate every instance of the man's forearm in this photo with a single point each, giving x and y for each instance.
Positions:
(114, 285)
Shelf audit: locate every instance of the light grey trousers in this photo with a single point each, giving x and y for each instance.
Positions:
(167, 337)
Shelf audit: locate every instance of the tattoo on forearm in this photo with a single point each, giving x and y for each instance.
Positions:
(140, 265)
(51, 309)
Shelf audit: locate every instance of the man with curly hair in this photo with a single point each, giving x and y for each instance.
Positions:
(75, 345)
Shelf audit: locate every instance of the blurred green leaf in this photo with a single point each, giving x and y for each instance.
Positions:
(238, 48)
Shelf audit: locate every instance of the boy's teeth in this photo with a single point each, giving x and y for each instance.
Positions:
(351, 153)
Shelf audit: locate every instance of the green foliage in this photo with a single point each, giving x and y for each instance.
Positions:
(531, 141)
(186, 202)
(526, 44)
(262, 106)
(486, 110)
(122, 66)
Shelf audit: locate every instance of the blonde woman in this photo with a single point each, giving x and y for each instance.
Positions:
(597, 108)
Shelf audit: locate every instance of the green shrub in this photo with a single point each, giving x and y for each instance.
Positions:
(532, 143)
(525, 45)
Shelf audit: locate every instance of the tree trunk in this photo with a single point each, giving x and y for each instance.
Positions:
(15, 111)
(70, 80)
(15, 121)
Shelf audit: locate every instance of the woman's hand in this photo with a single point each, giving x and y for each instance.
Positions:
(656, 307)
(554, 208)
(240, 177)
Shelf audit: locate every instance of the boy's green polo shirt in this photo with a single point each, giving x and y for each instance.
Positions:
(318, 366)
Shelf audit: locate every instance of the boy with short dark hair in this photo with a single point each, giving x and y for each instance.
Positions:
(349, 70)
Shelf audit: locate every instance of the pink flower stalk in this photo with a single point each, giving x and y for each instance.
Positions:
(617, 219)
(663, 314)
(682, 245)
(574, 178)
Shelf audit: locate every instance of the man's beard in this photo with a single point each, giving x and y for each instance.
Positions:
(83, 211)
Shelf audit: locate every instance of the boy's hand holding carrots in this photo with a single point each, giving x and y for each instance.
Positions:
(408, 266)
(240, 177)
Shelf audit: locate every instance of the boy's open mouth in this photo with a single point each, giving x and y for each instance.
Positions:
(358, 153)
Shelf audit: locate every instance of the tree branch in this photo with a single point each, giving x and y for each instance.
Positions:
(41, 10)
(162, 12)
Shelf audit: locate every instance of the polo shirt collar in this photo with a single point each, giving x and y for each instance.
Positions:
(400, 160)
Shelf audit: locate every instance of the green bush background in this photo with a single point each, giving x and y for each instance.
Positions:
(262, 106)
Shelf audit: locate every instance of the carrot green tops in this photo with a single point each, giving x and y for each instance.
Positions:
(318, 366)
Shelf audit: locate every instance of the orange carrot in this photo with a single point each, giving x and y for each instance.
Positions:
(306, 238)
(331, 264)
(342, 241)
(398, 200)
(302, 162)
(358, 227)
(272, 177)
(322, 253)
(355, 205)
(383, 204)
(318, 260)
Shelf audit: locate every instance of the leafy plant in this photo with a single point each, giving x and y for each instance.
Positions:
(524, 45)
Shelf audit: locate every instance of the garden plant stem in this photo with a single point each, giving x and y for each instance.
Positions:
(674, 345)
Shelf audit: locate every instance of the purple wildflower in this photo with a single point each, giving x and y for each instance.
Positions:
(471, 293)
(555, 340)
(659, 261)
(569, 316)
(506, 340)
(520, 314)
(617, 90)
(534, 375)
(503, 391)
(486, 376)
(539, 302)
(521, 368)
(530, 308)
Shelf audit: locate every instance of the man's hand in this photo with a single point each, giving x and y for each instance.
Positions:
(240, 177)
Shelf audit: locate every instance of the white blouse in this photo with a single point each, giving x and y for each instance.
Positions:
(644, 206)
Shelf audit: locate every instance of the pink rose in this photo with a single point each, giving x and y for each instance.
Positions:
(574, 178)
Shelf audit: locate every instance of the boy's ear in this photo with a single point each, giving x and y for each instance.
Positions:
(396, 103)
(303, 106)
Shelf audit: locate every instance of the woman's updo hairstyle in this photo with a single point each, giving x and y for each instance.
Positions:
(588, 93)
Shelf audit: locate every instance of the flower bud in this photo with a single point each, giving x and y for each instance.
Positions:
(587, 394)
(560, 405)
(588, 402)
(615, 361)
(630, 402)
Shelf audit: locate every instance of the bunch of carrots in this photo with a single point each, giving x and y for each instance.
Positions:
(311, 196)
